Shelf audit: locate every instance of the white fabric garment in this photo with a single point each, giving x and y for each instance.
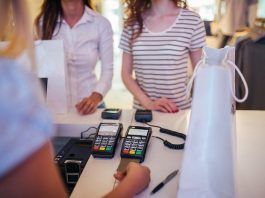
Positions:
(89, 40)
(25, 123)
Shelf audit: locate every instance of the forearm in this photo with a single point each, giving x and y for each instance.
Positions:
(123, 190)
(106, 75)
(137, 92)
(106, 58)
(104, 84)
(35, 177)
(195, 57)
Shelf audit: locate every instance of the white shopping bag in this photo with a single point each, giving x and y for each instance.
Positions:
(208, 167)
(50, 64)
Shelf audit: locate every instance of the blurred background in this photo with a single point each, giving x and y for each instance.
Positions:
(217, 19)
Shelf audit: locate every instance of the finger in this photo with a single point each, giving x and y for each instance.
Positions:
(84, 106)
(119, 176)
(172, 105)
(78, 105)
(164, 102)
(89, 107)
(165, 106)
(162, 108)
(176, 110)
(90, 110)
(93, 110)
(81, 104)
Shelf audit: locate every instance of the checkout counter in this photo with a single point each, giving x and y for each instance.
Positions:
(97, 177)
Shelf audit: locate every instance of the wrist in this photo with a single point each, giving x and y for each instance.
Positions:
(148, 104)
(97, 96)
(127, 186)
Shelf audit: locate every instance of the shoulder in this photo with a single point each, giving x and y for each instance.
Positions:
(131, 28)
(20, 91)
(10, 69)
(14, 77)
(97, 18)
(190, 15)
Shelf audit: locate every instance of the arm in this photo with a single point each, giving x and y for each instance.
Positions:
(89, 104)
(37, 176)
(135, 180)
(195, 56)
(106, 57)
(130, 83)
(197, 42)
(162, 104)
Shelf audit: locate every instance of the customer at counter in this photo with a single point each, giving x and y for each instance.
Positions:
(87, 37)
(27, 168)
(157, 39)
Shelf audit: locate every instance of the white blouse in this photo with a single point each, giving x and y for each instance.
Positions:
(87, 42)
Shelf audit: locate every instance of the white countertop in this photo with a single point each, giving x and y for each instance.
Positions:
(97, 177)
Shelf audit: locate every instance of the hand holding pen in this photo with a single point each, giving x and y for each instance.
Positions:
(168, 178)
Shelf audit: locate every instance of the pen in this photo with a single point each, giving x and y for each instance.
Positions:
(168, 178)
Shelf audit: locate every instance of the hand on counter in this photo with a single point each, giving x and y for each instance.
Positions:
(89, 104)
(163, 104)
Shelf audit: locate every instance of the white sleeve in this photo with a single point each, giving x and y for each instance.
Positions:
(24, 121)
(106, 57)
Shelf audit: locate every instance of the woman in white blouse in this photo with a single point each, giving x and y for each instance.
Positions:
(87, 37)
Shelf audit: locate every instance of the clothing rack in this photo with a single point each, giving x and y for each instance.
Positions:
(250, 60)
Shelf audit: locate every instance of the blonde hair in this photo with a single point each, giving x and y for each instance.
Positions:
(15, 29)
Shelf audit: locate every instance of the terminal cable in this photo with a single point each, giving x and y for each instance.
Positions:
(170, 132)
(87, 130)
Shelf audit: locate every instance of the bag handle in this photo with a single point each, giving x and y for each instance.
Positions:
(230, 63)
(233, 65)
(190, 83)
(227, 62)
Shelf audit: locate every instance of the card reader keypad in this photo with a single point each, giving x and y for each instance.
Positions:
(134, 145)
(104, 143)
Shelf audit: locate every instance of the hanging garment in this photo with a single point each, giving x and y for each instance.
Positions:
(250, 59)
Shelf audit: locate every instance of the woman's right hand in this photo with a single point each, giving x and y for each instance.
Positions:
(163, 104)
(136, 177)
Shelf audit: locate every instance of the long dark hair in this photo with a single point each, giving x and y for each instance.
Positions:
(50, 11)
(134, 10)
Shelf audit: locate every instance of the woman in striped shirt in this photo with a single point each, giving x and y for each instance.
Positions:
(158, 38)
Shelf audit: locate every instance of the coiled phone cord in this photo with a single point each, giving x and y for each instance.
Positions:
(170, 132)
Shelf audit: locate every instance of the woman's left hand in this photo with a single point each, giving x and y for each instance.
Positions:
(89, 104)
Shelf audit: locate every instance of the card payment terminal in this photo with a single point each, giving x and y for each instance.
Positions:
(106, 139)
(135, 142)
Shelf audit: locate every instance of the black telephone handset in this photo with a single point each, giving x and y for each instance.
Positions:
(135, 142)
(105, 142)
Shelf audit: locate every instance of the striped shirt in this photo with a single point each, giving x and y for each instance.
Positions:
(160, 59)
